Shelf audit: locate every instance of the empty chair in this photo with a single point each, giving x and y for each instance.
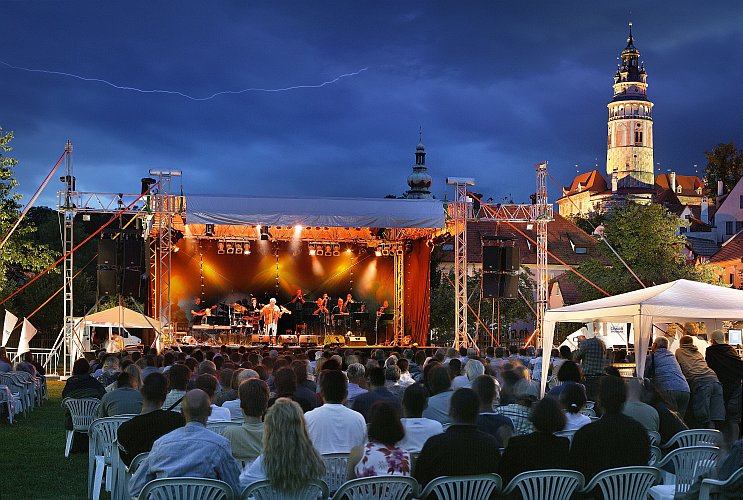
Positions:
(694, 437)
(83, 412)
(102, 432)
(624, 483)
(714, 486)
(186, 488)
(478, 487)
(688, 463)
(262, 490)
(378, 487)
(336, 469)
(547, 484)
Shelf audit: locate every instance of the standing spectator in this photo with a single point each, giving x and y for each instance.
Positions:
(462, 449)
(178, 377)
(190, 451)
(489, 422)
(332, 427)
(377, 392)
(663, 369)
(439, 384)
(592, 354)
(208, 384)
(595, 446)
(417, 428)
(707, 405)
(80, 385)
(289, 461)
(525, 392)
(725, 362)
(5, 363)
(573, 399)
(137, 435)
(642, 412)
(124, 400)
(541, 449)
(381, 455)
(246, 440)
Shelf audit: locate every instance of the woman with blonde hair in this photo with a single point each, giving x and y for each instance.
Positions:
(289, 460)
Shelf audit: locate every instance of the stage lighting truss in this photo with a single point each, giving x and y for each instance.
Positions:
(388, 249)
(324, 249)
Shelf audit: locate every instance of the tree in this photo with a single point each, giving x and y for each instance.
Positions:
(724, 163)
(647, 238)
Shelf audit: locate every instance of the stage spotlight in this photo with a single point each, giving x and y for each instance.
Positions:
(264, 233)
(246, 248)
(398, 251)
(348, 250)
(298, 227)
(385, 251)
(320, 251)
(220, 247)
(238, 249)
(336, 250)
(230, 248)
(311, 246)
(328, 250)
(378, 252)
(209, 229)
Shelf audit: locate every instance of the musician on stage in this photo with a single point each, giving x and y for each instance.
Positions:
(321, 313)
(340, 314)
(349, 300)
(383, 308)
(201, 311)
(298, 297)
(271, 314)
(254, 307)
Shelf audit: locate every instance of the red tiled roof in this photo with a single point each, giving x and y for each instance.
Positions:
(568, 290)
(589, 181)
(732, 249)
(689, 184)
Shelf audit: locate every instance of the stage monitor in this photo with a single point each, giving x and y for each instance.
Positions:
(735, 337)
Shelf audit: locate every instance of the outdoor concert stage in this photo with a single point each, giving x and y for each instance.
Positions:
(229, 249)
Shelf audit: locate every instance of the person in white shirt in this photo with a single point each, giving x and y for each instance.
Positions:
(332, 427)
(208, 384)
(573, 399)
(417, 428)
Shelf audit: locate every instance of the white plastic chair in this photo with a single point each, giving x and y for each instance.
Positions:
(128, 472)
(262, 490)
(378, 487)
(624, 483)
(654, 438)
(694, 437)
(83, 412)
(477, 487)
(589, 412)
(336, 470)
(219, 427)
(186, 488)
(547, 484)
(10, 401)
(655, 456)
(688, 464)
(102, 434)
(567, 434)
(17, 391)
(713, 486)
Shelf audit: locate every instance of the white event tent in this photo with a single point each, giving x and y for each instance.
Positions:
(680, 300)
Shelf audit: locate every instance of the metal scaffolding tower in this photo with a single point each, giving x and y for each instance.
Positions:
(459, 211)
(68, 215)
(541, 216)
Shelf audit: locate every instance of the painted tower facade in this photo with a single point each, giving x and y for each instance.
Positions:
(629, 154)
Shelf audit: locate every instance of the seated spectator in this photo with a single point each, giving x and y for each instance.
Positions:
(208, 384)
(724, 360)
(28, 357)
(406, 378)
(305, 388)
(513, 373)
(227, 393)
(473, 369)
(642, 412)
(381, 455)
(455, 373)
(247, 440)
(332, 427)
(190, 451)
(439, 384)
(136, 436)
(392, 380)
(707, 403)
(489, 422)
(462, 449)
(124, 400)
(569, 371)
(377, 392)
(525, 393)
(110, 371)
(285, 384)
(5, 364)
(178, 377)
(150, 365)
(670, 422)
(356, 374)
(417, 428)
(541, 449)
(725, 468)
(80, 385)
(595, 447)
(663, 369)
(573, 399)
(135, 377)
(234, 406)
(289, 461)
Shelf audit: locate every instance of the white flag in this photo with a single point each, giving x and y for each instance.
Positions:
(27, 333)
(10, 321)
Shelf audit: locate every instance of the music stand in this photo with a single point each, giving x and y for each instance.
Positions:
(385, 318)
(358, 317)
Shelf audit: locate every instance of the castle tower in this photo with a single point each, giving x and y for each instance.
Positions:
(630, 138)
(419, 181)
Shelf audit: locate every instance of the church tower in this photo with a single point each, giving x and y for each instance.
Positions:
(629, 153)
(419, 181)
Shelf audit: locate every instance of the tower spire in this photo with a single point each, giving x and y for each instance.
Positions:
(419, 180)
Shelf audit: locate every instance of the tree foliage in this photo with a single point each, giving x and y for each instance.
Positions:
(647, 238)
(724, 163)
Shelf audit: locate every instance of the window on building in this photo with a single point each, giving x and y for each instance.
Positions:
(741, 201)
(738, 225)
(638, 137)
(729, 227)
(678, 188)
(731, 279)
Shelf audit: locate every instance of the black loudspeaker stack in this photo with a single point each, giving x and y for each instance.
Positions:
(119, 265)
(500, 268)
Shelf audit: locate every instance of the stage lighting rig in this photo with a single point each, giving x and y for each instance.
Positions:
(265, 234)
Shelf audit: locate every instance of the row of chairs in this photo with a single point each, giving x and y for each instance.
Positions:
(21, 392)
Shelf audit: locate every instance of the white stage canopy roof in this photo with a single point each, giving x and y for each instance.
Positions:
(324, 212)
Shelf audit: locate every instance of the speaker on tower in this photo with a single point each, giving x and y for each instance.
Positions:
(500, 286)
(491, 259)
(106, 253)
(510, 259)
(107, 282)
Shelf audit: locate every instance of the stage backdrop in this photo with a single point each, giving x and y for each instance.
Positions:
(227, 278)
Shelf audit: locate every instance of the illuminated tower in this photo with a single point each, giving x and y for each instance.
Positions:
(419, 181)
(630, 138)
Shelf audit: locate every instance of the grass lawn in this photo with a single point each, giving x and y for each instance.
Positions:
(32, 455)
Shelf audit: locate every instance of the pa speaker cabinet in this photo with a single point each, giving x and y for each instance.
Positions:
(356, 342)
(500, 286)
(287, 339)
(308, 340)
(335, 339)
(260, 339)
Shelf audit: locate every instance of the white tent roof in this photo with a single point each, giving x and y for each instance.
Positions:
(680, 299)
(330, 212)
(120, 316)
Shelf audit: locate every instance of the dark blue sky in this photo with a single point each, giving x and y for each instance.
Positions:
(496, 88)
